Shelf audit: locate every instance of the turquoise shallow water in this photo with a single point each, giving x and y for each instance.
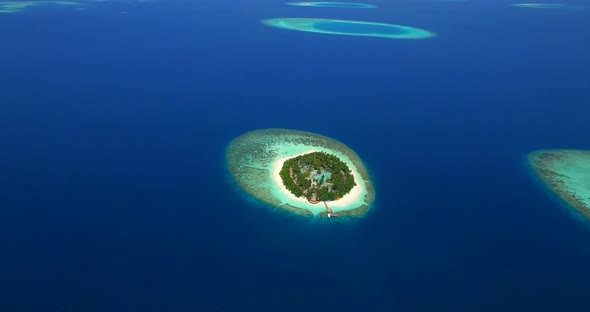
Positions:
(348, 5)
(358, 28)
(349, 28)
(566, 6)
(570, 171)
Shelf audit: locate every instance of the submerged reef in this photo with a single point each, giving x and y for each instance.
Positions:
(347, 5)
(18, 6)
(550, 6)
(567, 174)
(350, 28)
(255, 160)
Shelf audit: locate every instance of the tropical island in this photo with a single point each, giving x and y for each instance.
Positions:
(567, 174)
(317, 176)
(299, 172)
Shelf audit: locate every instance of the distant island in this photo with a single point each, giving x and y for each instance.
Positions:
(317, 176)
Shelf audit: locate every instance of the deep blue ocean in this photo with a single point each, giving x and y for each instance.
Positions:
(114, 195)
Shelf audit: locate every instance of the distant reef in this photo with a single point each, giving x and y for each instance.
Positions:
(565, 6)
(349, 28)
(567, 174)
(334, 4)
(18, 6)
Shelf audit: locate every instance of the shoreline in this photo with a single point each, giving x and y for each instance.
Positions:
(346, 201)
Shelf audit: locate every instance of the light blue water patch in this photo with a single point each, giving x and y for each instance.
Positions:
(349, 28)
(347, 5)
(563, 6)
(19, 6)
(358, 28)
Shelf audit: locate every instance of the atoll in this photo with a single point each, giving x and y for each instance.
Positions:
(350, 28)
(550, 6)
(255, 160)
(567, 174)
(346, 5)
(18, 6)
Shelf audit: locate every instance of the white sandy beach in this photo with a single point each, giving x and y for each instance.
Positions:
(349, 200)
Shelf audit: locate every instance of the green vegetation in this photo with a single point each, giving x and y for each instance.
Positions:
(317, 176)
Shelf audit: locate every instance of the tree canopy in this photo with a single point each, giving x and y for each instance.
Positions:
(317, 175)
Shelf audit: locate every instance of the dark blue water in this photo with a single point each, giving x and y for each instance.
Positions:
(114, 195)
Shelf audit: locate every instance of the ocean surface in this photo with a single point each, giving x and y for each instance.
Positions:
(114, 195)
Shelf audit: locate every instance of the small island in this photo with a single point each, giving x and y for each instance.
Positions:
(567, 174)
(299, 172)
(317, 176)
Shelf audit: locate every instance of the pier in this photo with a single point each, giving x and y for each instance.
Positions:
(328, 210)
